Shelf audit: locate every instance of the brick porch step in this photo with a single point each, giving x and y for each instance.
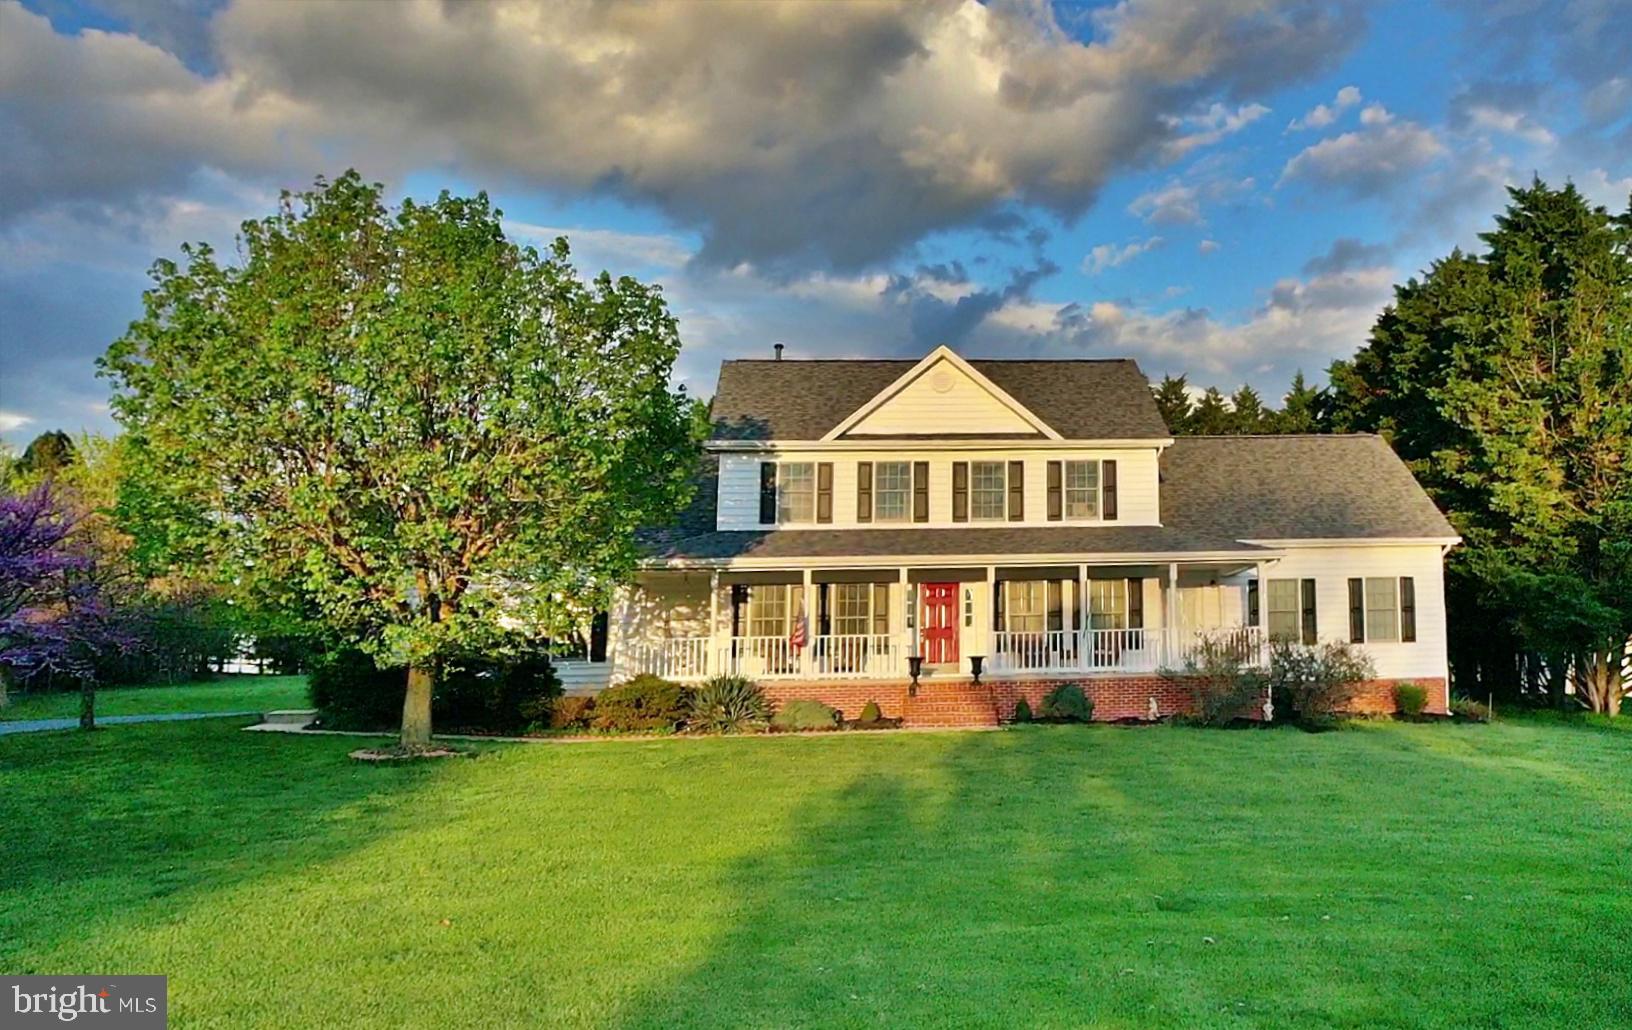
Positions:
(950, 704)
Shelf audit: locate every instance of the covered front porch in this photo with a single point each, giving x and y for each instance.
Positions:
(816, 623)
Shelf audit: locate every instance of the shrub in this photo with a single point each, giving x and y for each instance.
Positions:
(1222, 687)
(1067, 703)
(870, 713)
(805, 715)
(1468, 708)
(483, 695)
(728, 704)
(643, 703)
(1022, 711)
(1410, 699)
(571, 713)
(1317, 681)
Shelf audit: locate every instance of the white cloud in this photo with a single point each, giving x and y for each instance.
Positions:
(1371, 161)
(1322, 115)
(1375, 114)
(10, 420)
(1490, 118)
(594, 249)
(829, 135)
(1210, 126)
(1109, 255)
(1173, 204)
(1208, 247)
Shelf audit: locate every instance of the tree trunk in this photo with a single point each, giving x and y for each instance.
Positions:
(87, 704)
(416, 707)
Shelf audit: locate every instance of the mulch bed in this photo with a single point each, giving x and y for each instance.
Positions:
(406, 754)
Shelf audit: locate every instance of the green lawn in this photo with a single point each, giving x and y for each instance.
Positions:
(1382, 876)
(227, 694)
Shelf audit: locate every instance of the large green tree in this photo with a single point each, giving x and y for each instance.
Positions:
(1505, 379)
(404, 420)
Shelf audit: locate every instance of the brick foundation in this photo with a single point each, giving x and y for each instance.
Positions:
(958, 702)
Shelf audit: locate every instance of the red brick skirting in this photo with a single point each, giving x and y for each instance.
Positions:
(946, 702)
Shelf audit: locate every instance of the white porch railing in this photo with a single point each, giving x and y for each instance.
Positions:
(884, 656)
(872, 655)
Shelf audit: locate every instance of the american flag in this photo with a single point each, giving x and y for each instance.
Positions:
(796, 636)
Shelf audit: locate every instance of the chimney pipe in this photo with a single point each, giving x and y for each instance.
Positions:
(779, 352)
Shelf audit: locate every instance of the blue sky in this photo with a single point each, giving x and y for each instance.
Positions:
(1227, 189)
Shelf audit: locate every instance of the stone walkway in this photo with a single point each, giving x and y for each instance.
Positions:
(36, 725)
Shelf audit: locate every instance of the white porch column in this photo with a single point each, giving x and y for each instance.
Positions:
(811, 627)
(1172, 633)
(991, 614)
(1085, 638)
(711, 660)
(908, 648)
(1263, 615)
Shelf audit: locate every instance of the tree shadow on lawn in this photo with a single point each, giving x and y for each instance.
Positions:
(123, 827)
(1070, 876)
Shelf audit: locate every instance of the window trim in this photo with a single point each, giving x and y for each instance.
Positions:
(975, 490)
(879, 492)
(783, 494)
(1066, 489)
(1295, 612)
(1405, 631)
(1393, 608)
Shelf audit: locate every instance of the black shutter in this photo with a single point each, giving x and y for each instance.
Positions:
(1252, 603)
(864, 491)
(767, 493)
(597, 637)
(1136, 604)
(960, 491)
(1357, 610)
(1408, 609)
(1310, 632)
(824, 624)
(881, 609)
(1017, 491)
(1056, 504)
(1107, 486)
(920, 491)
(1056, 607)
(739, 601)
(824, 491)
(997, 607)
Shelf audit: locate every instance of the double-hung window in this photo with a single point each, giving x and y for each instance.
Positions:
(892, 491)
(988, 491)
(1382, 608)
(852, 609)
(795, 492)
(1082, 489)
(768, 611)
(1285, 610)
(1108, 604)
(1027, 605)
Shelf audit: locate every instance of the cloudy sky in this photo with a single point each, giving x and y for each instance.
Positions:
(1227, 188)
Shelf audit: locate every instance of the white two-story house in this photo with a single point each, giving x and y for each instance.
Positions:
(1034, 519)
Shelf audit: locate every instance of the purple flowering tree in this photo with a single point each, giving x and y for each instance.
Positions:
(55, 617)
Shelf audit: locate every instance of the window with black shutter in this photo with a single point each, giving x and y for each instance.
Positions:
(1357, 611)
(864, 491)
(1056, 606)
(960, 491)
(1056, 503)
(767, 493)
(1252, 603)
(920, 491)
(1136, 604)
(1107, 500)
(1017, 491)
(1408, 609)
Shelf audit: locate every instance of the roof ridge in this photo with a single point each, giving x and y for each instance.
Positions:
(914, 361)
(1277, 436)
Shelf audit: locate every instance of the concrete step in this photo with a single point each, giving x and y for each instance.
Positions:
(289, 717)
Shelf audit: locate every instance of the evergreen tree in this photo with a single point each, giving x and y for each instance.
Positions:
(46, 454)
(1249, 415)
(1173, 401)
(1302, 410)
(1212, 417)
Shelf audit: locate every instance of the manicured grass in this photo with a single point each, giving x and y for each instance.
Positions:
(226, 694)
(1383, 876)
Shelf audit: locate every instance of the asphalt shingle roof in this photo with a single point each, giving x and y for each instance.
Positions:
(1216, 493)
(803, 400)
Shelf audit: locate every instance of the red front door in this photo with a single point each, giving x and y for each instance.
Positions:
(940, 623)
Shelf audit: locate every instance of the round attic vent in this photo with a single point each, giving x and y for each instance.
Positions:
(941, 382)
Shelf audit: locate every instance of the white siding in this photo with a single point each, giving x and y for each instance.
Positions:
(1137, 489)
(1332, 566)
(942, 399)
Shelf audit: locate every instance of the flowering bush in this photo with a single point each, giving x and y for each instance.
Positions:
(1314, 682)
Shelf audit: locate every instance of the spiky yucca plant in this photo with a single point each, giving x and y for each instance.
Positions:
(729, 704)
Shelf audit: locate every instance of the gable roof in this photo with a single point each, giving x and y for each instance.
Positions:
(806, 400)
(1217, 492)
(1013, 417)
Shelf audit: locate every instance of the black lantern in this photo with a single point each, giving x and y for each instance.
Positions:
(915, 665)
(975, 662)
